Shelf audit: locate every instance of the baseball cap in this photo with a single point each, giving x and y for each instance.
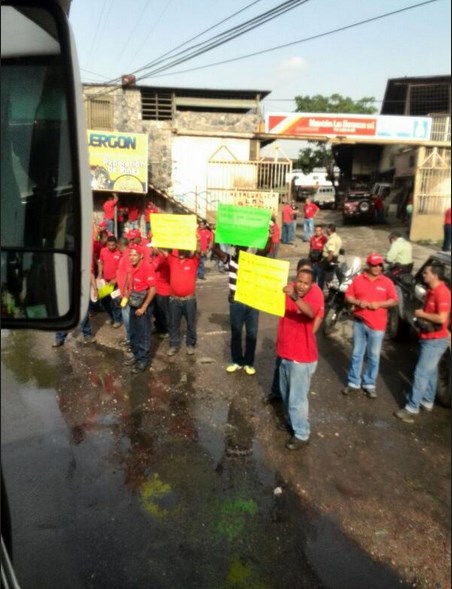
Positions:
(374, 259)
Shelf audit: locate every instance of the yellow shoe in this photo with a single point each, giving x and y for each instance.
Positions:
(250, 370)
(233, 368)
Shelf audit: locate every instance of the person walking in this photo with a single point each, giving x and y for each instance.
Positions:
(316, 245)
(183, 267)
(140, 293)
(287, 224)
(447, 231)
(205, 237)
(297, 349)
(242, 317)
(310, 210)
(107, 268)
(371, 294)
(434, 337)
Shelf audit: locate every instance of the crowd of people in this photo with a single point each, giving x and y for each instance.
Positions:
(146, 290)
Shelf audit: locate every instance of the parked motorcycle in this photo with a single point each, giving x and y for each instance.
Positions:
(335, 303)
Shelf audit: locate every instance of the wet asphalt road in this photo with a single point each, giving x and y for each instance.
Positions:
(179, 477)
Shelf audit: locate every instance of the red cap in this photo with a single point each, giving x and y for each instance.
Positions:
(374, 259)
(136, 248)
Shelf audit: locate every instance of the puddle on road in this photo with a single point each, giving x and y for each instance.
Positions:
(185, 477)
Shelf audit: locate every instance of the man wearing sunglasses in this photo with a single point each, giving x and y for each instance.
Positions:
(371, 294)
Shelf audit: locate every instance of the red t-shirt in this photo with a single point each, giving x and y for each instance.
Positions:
(124, 267)
(310, 210)
(110, 262)
(447, 217)
(205, 239)
(134, 213)
(276, 235)
(162, 275)
(287, 214)
(374, 291)
(183, 275)
(142, 276)
(317, 243)
(109, 209)
(437, 301)
(296, 340)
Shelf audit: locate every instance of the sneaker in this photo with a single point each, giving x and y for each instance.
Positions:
(130, 361)
(162, 335)
(371, 393)
(116, 324)
(348, 390)
(250, 370)
(427, 406)
(88, 339)
(139, 367)
(58, 344)
(190, 350)
(233, 368)
(296, 444)
(109, 322)
(172, 351)
(124, 342)
(405, 415)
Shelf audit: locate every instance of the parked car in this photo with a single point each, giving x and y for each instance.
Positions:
(325, 197)
(411, 291)
(358, 206)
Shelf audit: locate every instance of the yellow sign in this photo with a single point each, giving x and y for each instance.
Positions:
(118, 161)
(174, 231)
(260, 283)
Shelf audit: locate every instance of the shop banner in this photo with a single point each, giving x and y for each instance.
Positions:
(118, 161)
(247, 226)
(174, 231)
(260, 283)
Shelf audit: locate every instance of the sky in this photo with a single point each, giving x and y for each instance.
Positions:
(116, 37)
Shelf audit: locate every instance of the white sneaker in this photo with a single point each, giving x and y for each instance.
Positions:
(427, 406)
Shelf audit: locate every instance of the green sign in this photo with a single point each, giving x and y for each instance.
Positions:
(247, 226)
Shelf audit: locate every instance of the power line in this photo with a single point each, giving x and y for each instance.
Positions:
(311, 38)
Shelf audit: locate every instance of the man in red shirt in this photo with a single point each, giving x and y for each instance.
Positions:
(133, 216)
(372, 294)
(124, 268)
(297, 348)
(109, 211)
(287, 224)
(107, 268)
(140, 282)
(310, 210)
(162, 295)
(205, 237)
(275, 232)
(150, 209)
(447, 231)
(183, 270)
(316, 245)
(434, 337)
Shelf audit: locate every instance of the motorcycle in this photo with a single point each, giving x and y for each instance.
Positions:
(335, 303)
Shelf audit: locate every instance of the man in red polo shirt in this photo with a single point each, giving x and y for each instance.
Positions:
(297, 349)
(287, 224)
(133, 216)
(107, 268)
(310, 210)
(163, 291)
(124, 268)
(316, 245)
(140, 281)
(183, 270)
(372, 294)
(205, 237)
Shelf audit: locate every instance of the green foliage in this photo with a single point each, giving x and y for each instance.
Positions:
(335, 104)
(321, 155)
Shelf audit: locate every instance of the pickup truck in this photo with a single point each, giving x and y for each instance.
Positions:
(401, 322)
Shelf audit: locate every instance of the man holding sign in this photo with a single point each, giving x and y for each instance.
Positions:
(297, 348)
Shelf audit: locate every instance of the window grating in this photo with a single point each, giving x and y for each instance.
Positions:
(156, 106)
(100, 113)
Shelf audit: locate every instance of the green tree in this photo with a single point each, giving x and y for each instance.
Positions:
(321, 155)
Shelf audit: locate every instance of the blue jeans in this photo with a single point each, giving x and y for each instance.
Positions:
(125, 311)
(112, 308)
(85, 326)
(294, 383)
(426, 373)
(179, 308)
(161, 313)
(110, 225)
(202, 265)
(287, 232)
(276, 391)
(446, 242)
(140, 336)
(241, 316)
(365, 338)
(308, 229)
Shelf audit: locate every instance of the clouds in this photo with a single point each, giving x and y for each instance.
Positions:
(290, 68)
